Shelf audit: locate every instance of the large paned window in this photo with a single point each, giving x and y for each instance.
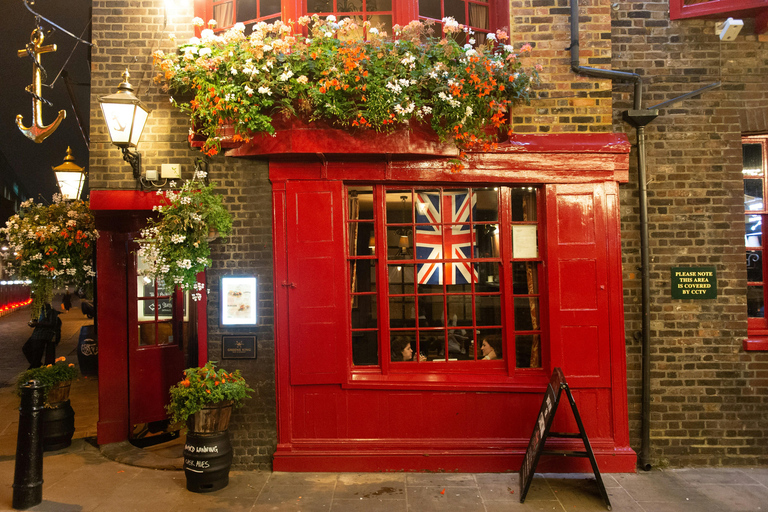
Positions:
(756, 214)
(155, 311)
(444, 277)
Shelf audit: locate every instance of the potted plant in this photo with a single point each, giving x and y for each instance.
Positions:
(175, 245)
(354, 77)
(50, 242)
(204, 399)
(58, 415)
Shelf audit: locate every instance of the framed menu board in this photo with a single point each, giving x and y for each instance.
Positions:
(239, 300)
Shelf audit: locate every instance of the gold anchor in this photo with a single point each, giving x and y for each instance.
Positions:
(38, 132)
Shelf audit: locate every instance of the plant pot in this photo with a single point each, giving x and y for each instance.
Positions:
(59, 393)
(212, 419)
(58, 426)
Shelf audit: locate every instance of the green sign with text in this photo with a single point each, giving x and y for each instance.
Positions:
(694, 283)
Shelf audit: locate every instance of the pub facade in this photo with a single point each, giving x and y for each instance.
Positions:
(409, 316)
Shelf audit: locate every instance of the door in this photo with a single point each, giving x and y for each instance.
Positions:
(158, 321)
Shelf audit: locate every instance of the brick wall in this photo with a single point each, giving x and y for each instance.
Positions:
(567, 103)
(126, 33)
(709, 397)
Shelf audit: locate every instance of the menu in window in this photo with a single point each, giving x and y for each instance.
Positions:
(524, 244)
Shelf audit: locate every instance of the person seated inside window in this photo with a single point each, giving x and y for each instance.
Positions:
(491, 347)
(402, 351)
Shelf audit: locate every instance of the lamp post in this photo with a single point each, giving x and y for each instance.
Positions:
(70, 177)
(126, 116)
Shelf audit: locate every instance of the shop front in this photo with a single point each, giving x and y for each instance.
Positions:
(419, 312)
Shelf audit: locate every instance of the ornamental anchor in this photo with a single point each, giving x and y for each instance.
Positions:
(38, 132)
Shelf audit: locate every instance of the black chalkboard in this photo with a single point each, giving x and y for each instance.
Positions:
(541, 431)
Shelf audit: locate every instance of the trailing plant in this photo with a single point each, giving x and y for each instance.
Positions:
(48, 376)
(175, 245)
(351, 76)
(203, 386)
(52, 246)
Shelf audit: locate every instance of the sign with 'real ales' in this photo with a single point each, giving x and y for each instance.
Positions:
(694, 283)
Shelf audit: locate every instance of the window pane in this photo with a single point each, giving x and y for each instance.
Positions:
(362, 276)
(360, 203)
(459, 310)
(525, 277)
(246, 10)
(383, 22)
(753, 195)
(487, 205)
(755, 302)
(488, 277)
(431, 311)
(755, 266)
(430, 9)
(526, 314)
(525, 243)
(314, 6)
(269, 7)
(402, 312)
(490, 345)
(523, 204)
(478, 16)
(399, 207)
(528, 351)
(488, 309)
(359, 236)
(146, 334)
(487, 242)
(754, 231)
(402, 346)
(365, 348)
(399, 243)
(223, 14)
(349, 5)
(164, 333)
(458, 243)
(400, 279)
(455, 9)
(428, 207)
(753, 160)
(364, 312)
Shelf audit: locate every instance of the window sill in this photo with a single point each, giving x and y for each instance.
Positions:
(523, 381)
(755, 343)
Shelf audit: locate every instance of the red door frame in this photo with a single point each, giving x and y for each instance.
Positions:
(120, 214)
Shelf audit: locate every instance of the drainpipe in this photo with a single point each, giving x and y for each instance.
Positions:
(643, 117)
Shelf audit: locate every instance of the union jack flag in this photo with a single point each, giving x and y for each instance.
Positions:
(434, 241)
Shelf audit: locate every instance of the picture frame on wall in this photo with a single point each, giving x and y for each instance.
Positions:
(239, 300)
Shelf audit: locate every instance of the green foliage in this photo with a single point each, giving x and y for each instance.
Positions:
(203, 386)
(53, 246)
(175, 246)
(353, 77)
(48, 376)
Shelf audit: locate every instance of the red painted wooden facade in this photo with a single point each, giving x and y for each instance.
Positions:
(335, 416)
(133, 379)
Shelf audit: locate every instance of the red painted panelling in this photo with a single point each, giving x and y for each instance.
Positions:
(123, 200)
(717, 9)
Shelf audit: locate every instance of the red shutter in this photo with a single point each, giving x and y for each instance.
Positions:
(578, 283)
(316, 282)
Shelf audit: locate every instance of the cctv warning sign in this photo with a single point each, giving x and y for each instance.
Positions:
(694, 283)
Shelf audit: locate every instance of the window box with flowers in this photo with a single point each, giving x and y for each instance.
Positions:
(53, 246)
(352, 77)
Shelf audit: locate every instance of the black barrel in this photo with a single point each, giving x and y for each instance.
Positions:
(58, 426)
(207, 459)
(88, 351)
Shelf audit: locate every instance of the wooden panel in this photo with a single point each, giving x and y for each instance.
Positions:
(578, 283)
(316, 282)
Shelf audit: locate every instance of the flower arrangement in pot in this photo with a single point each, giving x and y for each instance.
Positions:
(52, 243)
(352, 76)
(204, 390)
(55, 379)
(175, 246)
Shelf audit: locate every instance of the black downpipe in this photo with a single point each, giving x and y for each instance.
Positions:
(638, 119)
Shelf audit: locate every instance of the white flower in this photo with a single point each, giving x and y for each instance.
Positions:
(233, 71)
(471, 40)
(373, 31)
(248, 90)
(172, 184)
(508, 48)
(265, 90)
(331, 18)
(197, 21)
(471, 52)
(240, 27)
(204, 51)
(207, 34)
(268, 48)
(491, 36)
(285, 75)
(177, 238)
(302, 79)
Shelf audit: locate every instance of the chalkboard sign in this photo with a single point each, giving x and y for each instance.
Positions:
(540, 431)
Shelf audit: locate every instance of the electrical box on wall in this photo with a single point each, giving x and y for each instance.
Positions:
(170, 171)
(151, 174)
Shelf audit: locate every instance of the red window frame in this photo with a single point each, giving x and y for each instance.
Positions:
(381, 294)
(756, 218)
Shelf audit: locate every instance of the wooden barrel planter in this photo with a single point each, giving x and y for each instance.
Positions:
(208, 451)
(58, 419)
